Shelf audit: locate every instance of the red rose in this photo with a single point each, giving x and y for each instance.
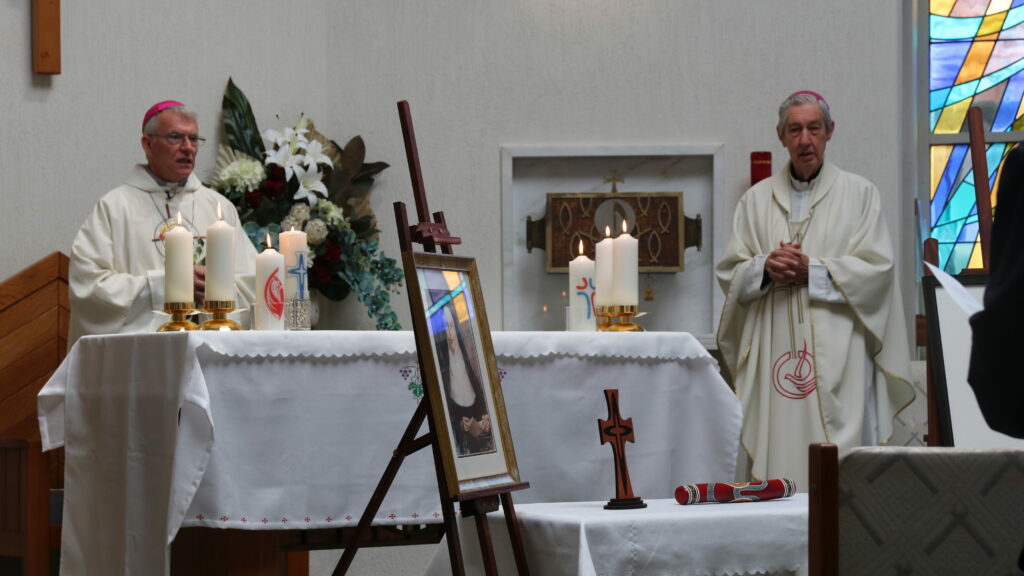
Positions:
(273, 188)
(321, 273)
(333, 252)
(254, 198)
(275, 173)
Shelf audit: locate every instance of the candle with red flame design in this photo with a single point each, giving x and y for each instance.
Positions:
(269, 289)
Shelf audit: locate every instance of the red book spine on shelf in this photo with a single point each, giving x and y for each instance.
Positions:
(723, 492)
(760, 166)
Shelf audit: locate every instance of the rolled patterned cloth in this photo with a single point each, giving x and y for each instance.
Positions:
(722, 492)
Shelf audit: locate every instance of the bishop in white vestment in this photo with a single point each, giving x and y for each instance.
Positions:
(813, 326)
(116, 271)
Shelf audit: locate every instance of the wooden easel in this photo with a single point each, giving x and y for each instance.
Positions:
(983, 198)
(477, 503)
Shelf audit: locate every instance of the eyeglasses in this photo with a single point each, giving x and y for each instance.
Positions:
(175, 139)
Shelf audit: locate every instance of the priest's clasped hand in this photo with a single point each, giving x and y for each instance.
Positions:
(477, 427)
(787, 264)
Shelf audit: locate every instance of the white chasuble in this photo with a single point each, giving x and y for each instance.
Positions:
(116, 271)
(802, 363)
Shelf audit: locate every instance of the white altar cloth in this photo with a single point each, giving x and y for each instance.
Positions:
(292, 430)
(584, 539)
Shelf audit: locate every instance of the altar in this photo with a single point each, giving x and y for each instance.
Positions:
(291, 430)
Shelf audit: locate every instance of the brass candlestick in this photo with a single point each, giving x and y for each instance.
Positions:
(220, 321)
(617, 319)
(179, 321)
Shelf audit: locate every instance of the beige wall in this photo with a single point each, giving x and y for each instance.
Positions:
(478, 75)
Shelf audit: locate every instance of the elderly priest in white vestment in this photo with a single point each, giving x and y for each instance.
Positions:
(116, 273)
(813, 326)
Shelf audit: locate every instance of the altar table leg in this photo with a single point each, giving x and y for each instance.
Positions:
(212, 552)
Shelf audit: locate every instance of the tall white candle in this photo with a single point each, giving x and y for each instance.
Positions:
(581, 292)
(220, 260)
(627, 268)
(178, 264)
(294, 248)
(604, 265)
(269, 289)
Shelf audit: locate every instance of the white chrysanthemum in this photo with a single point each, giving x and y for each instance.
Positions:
(330, 212)
(299, 211)
(316, 231)
(244, 174)
(289, 223)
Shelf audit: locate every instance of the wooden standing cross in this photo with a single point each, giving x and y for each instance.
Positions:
(617, 430)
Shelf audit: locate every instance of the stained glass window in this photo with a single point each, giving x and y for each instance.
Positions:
(976, 58)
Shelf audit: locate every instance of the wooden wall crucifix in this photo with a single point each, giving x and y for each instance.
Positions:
(46, 36)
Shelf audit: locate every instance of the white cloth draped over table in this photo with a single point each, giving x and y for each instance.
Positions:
(584, 539)
(292, 430)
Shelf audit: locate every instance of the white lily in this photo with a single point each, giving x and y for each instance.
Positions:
(310, 184)
(296, 139)
(285, 159)
(272, 139)
(315, 154)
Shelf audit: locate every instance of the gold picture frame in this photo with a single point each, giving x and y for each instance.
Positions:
(460, 374)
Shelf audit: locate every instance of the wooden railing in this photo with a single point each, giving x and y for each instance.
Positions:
(33, 341)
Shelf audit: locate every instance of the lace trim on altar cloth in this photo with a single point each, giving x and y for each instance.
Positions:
(507, 345)
(307, 344)
(635, 345)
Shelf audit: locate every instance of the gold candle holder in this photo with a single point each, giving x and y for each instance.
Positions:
(220, 321)
(179, 321)
(617, 319)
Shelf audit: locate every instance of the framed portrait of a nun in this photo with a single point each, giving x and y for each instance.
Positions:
(459, 372)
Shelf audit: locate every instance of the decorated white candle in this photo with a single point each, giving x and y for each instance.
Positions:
(269, 289)
(178, 272)
(294, 247)
(220, 260)
(627, 269)
(604, 270)
(581, 274)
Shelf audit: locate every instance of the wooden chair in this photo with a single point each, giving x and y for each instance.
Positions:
(33, 342)
(898, 510)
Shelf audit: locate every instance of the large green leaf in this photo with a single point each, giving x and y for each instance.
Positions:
(240, 123)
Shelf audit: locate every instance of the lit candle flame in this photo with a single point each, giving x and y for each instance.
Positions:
(581, 247)
(179, 217)
(624, 229)
(220, 215)
(270, 245)
(545, 308)
(607, 231)
(293, 228)
(564, 294)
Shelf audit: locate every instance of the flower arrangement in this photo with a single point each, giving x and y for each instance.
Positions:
(299, 179)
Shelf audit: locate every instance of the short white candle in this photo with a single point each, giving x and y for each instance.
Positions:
(604, 265)
(178, 264)
(269, 289)
(220, 260)
(627, 269)
(581, 291)
(294, 248)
